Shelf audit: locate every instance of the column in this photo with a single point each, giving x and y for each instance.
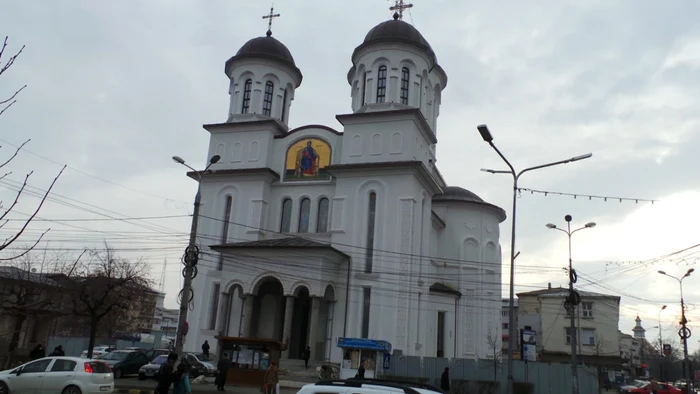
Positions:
(288, 317)
(314, 326)
(247, 323)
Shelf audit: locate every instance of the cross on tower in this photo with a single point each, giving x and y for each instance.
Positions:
(399, 7)
(270, 16)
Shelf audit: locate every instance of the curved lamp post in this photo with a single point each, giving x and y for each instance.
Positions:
(488, 138)
(186, 292)
(569, 233)
(684, 332)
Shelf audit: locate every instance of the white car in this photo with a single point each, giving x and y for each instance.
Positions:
(98, 352)
(65, 375)
(368, 386)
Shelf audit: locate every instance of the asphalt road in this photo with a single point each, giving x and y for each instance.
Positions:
(133, 383)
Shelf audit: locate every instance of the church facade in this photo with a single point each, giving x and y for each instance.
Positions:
(312, 233)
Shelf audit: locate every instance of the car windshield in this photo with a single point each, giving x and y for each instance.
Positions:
(639, 383)
(160, 360)
(119, 356)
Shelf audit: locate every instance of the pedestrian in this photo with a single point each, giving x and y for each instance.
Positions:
(166, 374)
(205, 350)
(445, 380)
(37, 352)
(181, 380)
(271, 380)
(306, 355)
(653, 385)
(222, 366)
(58, 352)
(361, 371)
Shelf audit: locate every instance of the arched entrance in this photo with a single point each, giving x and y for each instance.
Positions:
(301, 312)
(268, 310)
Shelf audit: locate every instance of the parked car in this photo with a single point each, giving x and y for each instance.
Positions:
(196, 367)
(98, 351)
(125, 362)
(642, 387)
(368, 386)
(209, 367)
(153, 353)
(67, 375)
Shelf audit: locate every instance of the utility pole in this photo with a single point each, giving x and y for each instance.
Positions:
(572, 300)
(661, 345)
(190, 258)
(684, 332)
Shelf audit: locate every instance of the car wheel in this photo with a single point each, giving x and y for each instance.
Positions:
(117, 373)
(71, 390)
(4, 389)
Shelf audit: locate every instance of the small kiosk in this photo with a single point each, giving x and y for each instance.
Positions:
(250, 358)
(375, 354)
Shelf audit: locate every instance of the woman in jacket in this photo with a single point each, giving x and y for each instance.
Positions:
(181, 381)
(271, 379)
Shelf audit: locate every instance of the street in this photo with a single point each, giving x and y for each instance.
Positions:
(128, 384)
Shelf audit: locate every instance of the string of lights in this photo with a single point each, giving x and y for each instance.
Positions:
(584, 196)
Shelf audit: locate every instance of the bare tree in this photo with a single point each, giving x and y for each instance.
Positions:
(5, 104)
(107, 285)
(495, 351)
(600, 344)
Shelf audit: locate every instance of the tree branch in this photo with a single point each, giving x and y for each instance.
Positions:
(30, 248)
(36, 211)
(19, 148)
(12, 59)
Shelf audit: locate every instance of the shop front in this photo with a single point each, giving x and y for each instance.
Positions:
(375, 354)
(250, 358)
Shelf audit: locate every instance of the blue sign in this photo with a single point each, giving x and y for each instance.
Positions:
(387, 361)
(364, 344)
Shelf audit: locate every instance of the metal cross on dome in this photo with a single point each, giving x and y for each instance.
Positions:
(270, 16)
(399, 7)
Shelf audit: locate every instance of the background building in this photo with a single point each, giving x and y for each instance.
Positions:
(505, 326)
(596, 317)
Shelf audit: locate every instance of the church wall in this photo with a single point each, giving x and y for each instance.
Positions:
(238, 150)
(435, 304)
(260, 71)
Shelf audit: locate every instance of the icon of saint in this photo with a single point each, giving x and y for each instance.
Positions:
(307, 162)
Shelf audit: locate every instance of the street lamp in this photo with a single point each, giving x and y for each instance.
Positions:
(684, 332)
(571, 300)
(191, 255)
(488, 138)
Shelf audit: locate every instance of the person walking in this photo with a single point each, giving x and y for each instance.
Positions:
(306, 355)
(166, 374)
(205, 350)
(271, 380)
(222, 366)
(361, 371)
(38, 352)
(58, 352)
(181, 380)
(653, 385)
(445, 380)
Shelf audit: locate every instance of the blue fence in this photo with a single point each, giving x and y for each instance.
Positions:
(545, 378)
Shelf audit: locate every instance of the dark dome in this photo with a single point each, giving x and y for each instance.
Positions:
(456, 193)
(266, 47)
(397, 31)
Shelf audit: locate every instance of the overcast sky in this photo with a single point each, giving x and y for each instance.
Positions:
(116, 88)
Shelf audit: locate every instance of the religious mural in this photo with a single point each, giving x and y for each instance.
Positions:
(307, 160)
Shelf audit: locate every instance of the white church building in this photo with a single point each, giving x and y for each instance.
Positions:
(314, 233)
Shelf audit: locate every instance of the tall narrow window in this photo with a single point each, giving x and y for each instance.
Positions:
(224, 230)
(286, 223)
(381, 84)
(364, 87)
(405, 79)
(366, 303)
(441, 334)
(214, 306)
(267, 99)
(284, 105)
(304, 209)
(369, 247)
(322, 221)
(246, 96)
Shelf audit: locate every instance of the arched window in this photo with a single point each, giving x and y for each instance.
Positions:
(322, 221)
(267, 99)
(246, 96)
(405, 79)
(224, 230)
(286, 223)
(304, 210)
(381, 84)
(364, 86)
(371, 219)
(284, 105)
